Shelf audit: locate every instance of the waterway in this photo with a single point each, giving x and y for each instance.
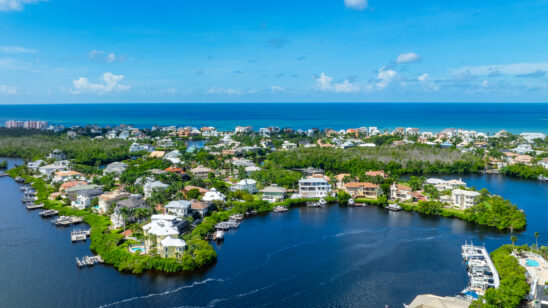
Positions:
(357, 257)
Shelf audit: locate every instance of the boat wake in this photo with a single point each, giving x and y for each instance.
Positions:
(161, 293)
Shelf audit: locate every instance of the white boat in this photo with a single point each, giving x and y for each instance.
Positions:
(219, 235)
(351, 202)
(394, 207)
(322, 202)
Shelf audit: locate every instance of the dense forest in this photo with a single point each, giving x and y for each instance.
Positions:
(408, 159)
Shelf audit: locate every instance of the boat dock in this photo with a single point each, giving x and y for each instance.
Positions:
(79, 235)
(48, 213)
(88, 260)
(32, 206)
(481, 270)
(67, 220)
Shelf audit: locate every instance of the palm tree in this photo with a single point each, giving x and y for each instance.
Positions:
(536, 238)
(513, 238)
(125, 214)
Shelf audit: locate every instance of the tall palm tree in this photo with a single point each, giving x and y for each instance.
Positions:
(513, 238)
(536, 238)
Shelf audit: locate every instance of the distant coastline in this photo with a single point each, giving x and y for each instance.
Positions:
(485, 117)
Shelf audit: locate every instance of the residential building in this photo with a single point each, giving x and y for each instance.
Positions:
(49, 170)
(314, 188)
(286, 145)
(454, 184)
(213, 195)
(108, 199)
(362, 190)
(116, 167)
(34, 165)
(173, 156)
(251, 169)
(201, 172)
(130, 205)
(151, 186)
(464, 198)
(400, 192)
(57, 155)
(84, 197)
(72, 192)
(434, 301)
(544, 162)
(523, 159)
(243, 129)
(199, 207)
(70, 184)
(380, 173)
(179, 208)
(63, 176)
(162, 234)
(136, 147)
(248, 184)
(274, 193)
(523, 149)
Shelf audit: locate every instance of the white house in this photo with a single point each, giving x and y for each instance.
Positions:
(179, 208)
(84, 197)
(115, 167)
(150, 187)
(34, 165)
(173, 156)
(213, 195)
(454, 184)
(162, 234)
(130, 204)
(48, 170)
(523, 149)
(401, 192)
(273, 193)
(314, 188)
(464, 198)
(248, 184)
(136, 147)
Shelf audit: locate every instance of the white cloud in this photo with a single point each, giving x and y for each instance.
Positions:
(225, 91)
(100, 55)
(356, 4)
(16, 65)
(168, 91)
(111, 83)
(323, 83)
(8, 90)
(275, 89)
(409, 57)
(15, 5)
(385, 77)
(15, 49)
(485, 83)
(423, 77)
(510, 69)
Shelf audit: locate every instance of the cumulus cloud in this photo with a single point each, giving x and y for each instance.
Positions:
(356, 4)
(409, 57)
(16, 5)
(8, 90)
(110, 83)
(109, 57)
(15, 49)
(324, 83)
(423, 77)
(385, 77)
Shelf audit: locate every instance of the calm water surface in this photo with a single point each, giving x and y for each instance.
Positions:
(360, 257)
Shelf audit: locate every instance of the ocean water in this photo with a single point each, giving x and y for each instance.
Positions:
(333, 257)
(486, 117)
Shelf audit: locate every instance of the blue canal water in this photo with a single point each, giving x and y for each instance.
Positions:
(351, 257)
(487, 117)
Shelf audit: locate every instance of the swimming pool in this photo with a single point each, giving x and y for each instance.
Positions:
(531, 263)
(135, 249)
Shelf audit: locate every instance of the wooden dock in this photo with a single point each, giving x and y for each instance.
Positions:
(48, 213)
(88, 260)
(32, 206)
(79, 235)
(67, 220)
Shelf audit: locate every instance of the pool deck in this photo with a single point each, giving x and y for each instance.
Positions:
(536, 272)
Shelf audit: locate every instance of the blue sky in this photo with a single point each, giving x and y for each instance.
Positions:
(273, 51)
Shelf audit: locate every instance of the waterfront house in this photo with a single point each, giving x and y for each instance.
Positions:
(434, 301)
(71, 192)
(49, 170)
(157, 154)
(162, 234)
(464, 198)
(130, 205)
(57, 155)
(274, 193)
(201, 172)
(454, 184)
(200, 189)
(380, 173)
(199, 207)
(362, 190)
(70, 184)
(340, 179)
(544, 162)
(213, 195)
(400, 192)
(314, 188)
(249, 185)
(523, 159)
(179, 208)
(108, 199)
(439, 184)
(116, 167)
(69, 175)
(34, 165)
(84, 197)
(151, 186)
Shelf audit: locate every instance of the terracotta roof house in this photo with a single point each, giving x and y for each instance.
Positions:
(362, 190)
(376, 173)
(200, 189)
(199, 207)
(71, 184)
